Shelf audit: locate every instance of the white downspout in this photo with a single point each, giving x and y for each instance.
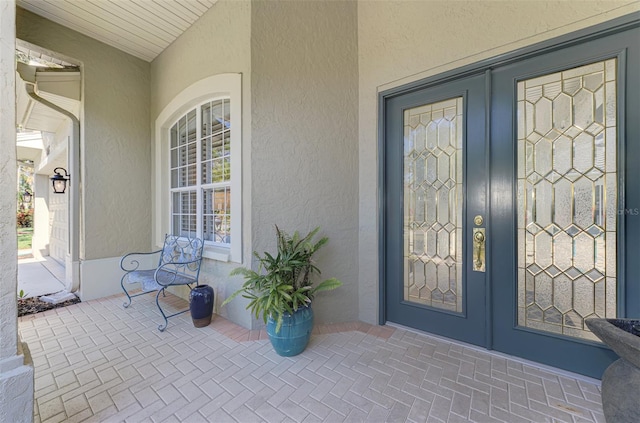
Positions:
(73, 154)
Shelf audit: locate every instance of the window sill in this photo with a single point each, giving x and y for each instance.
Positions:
(217, 253)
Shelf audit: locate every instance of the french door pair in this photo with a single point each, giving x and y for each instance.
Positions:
(510, 201)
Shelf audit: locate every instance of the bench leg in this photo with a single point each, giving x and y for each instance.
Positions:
(163, 326)
(127, 303)
(166, 317)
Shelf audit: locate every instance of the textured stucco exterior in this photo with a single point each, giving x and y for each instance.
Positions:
(311, 73)
(8, 240)
(218, 43)
(298, 62)
(304, 129)
(401, 42)
(115, 139)
(16, 373)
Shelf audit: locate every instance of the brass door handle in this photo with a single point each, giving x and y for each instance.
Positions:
(478, 250)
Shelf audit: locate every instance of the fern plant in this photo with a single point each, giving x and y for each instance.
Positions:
(283, 282)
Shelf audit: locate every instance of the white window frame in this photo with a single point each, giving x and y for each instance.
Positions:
(227, 85)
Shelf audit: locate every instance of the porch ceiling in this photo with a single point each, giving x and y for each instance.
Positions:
(142, 28)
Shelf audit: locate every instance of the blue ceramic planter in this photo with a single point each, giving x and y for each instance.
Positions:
(201, 305)
(294, 334)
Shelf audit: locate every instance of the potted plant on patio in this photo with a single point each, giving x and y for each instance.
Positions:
(282, 289)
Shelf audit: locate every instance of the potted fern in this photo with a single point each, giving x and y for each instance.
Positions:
(282, 289)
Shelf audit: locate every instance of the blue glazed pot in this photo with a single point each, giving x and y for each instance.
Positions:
(201, 305)
(294, 334)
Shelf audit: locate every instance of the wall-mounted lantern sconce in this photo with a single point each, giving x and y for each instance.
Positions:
(59, 182)
(26, 197)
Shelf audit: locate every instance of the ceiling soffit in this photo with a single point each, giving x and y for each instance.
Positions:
(142, 28)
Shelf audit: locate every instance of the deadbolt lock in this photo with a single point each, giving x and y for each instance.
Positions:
(478, 220)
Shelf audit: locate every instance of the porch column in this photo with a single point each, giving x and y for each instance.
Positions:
(41, 225)
(16, 376)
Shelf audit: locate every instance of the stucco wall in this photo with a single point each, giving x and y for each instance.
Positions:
(304, 151)
(16, 373)
(400, 42)
(115, 137)
(218, 43)
(8, 240)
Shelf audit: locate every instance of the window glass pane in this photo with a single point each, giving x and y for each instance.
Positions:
(184, 202)
(205, 149)
(207, 212)
(207, 228)
(174, 178)
(182, 131)
(176, 224)
(174, 158)
(216, 215)
(192, 173)
(226, 145)
(216, 144)
(176, 202)
(227, 113)
(217, 116)
(227, 169)
(182, 177)
(206, 120)
(217, 171)
(222, 202)
(191, 126)
(191, 153)
(174, 135)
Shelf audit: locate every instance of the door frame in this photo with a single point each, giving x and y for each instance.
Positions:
(611, 27)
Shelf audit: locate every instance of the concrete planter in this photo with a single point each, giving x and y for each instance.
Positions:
(621, 380)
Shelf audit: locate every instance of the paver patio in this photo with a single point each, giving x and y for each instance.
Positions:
(96, 361)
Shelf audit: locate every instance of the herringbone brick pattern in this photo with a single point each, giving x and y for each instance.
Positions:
(95, 361)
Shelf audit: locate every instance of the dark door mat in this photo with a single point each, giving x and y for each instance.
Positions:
(34, 305)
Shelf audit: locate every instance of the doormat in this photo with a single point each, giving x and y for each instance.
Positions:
(34, 305)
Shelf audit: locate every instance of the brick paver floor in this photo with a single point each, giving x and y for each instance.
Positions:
(96, 361)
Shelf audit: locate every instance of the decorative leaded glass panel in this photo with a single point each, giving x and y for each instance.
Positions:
(433, 204)
(567, 199)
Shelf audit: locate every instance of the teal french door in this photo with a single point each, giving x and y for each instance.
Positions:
(435, 185)
(564, 154)
(537, 153)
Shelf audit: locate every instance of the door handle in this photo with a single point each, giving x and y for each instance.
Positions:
(478, 250)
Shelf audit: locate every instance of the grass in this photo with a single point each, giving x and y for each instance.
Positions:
(24, 238)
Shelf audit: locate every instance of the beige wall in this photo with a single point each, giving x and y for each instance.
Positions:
(311, 73)
(219, 42)
(304, 90)
(400, 42)
(116, 155)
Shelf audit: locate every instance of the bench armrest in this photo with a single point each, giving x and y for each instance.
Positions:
(129, 262)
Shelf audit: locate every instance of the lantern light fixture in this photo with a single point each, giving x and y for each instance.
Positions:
(26, 197)
(58, 181)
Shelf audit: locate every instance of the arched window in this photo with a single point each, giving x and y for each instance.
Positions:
(200, 153)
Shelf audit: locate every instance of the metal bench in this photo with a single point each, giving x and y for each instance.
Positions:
(179, 264)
